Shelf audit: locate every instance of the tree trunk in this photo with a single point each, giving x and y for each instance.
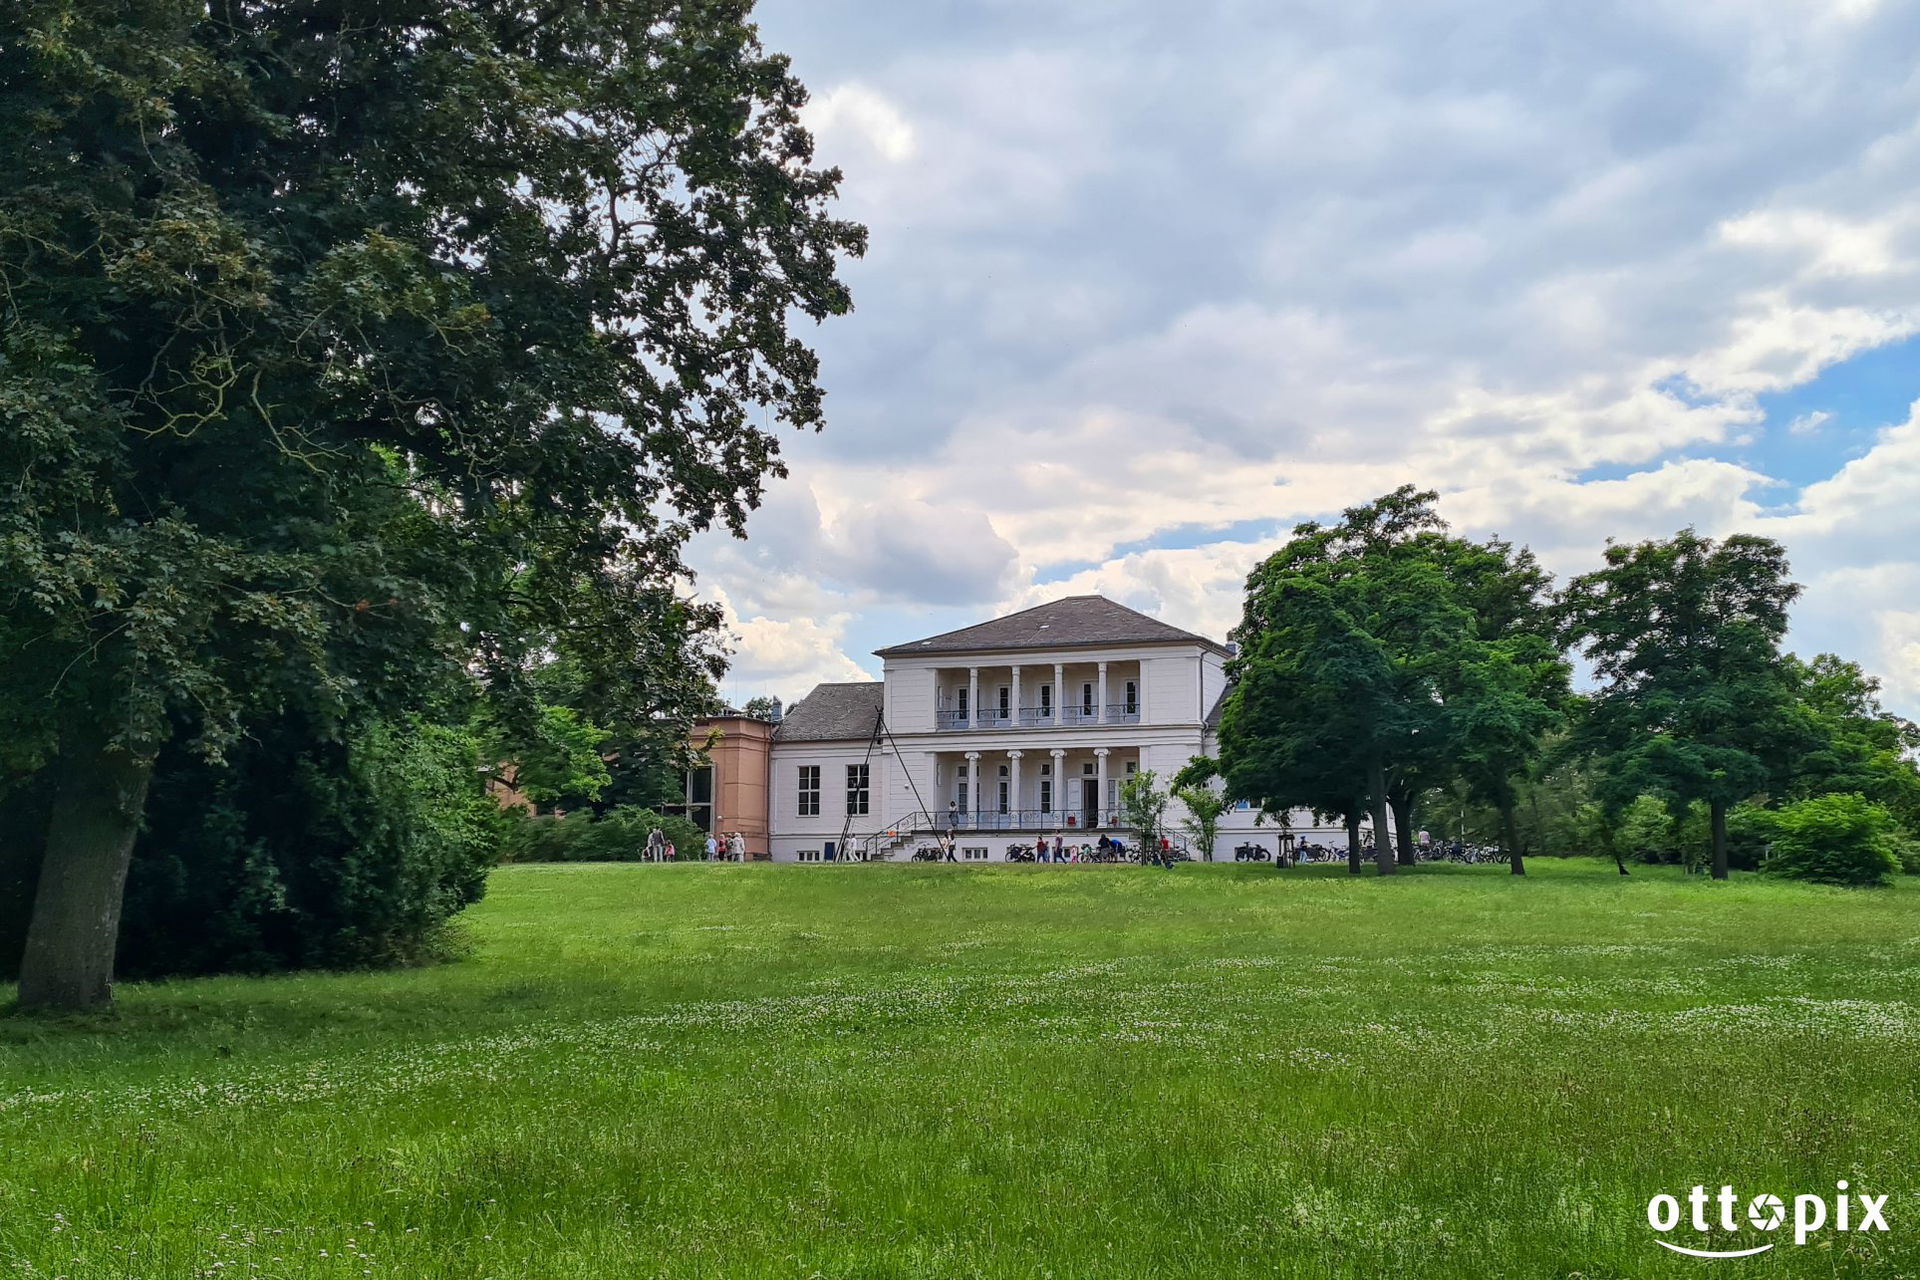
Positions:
(68, 961)
(1516, 861)
(1382, 838)
(1718, 810)
(1353, 840)
(1620, 862)
(1402, 804)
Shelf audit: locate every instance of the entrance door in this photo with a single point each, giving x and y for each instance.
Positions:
(1089, 802)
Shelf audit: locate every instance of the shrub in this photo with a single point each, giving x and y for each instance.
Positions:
(619, 835)
(1644, 831)
(1834, 839)
(304, 853)
(1907, 849)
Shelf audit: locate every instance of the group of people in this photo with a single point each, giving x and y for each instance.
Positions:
(729, 847)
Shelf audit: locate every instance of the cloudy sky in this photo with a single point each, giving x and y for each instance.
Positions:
(1152, 282)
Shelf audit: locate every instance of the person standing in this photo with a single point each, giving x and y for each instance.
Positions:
(656, 845)
(713, 846)
(736, 847)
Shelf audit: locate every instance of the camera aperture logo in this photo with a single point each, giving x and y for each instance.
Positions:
(1762, 1214)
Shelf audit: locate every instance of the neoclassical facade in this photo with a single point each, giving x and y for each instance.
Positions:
(1003, 733)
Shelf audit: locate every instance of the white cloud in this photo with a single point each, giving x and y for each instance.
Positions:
(784, 656)
(1138, 269)
(855, 111)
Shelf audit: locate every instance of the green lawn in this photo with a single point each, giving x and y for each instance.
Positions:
(1012, 1071)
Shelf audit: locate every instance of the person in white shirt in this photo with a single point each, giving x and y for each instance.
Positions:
(737, 847)
(713, 846)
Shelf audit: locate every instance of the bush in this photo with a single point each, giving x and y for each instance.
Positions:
(619, 835)
(1644, 831)
(1907, 849)
(1834, 839)
(297, 852)
(303, 853)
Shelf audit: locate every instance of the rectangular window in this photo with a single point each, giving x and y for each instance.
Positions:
(809, 855)
(1046, 794)
(1133, 698)
(857, 789)
(696, 804)
(1005, 791)
(1046, 701)
(1006, 700)
(1086, 700)
(810, 793)
(960, 797)
(960, 700)
(974, 855)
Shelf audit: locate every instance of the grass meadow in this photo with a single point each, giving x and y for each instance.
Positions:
(906, 1071)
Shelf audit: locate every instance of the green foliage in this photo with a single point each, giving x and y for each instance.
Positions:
(1834, 839)
(1696, 699)
(1143, 807)
(303, 853)
(560, 758)
(761, 706)
(1644, 831)
(351, 355)
(619, 835)
(1852, 743)
(1203, 804)
(1380, 658)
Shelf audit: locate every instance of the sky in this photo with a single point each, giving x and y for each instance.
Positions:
(1151, 283)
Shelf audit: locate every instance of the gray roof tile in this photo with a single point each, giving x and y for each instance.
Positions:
(832, 713)
(1071, 622)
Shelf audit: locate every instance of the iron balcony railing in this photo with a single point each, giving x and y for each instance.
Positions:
(1073, 714)
(1011, 820)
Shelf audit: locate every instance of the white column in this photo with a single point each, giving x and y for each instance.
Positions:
(1059, 773)
(973, 782)
(1013, 779)
(1059, 704)
(1016, 699)
(973, 697)
(1100, 769)
(1100, 709)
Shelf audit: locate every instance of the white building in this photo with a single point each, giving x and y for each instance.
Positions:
(1003, 733)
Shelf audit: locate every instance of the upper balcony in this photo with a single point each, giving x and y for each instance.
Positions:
(1073, 716)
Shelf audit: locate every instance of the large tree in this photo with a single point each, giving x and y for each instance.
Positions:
(1382, 656)
(1695, 699)
(1337, 678)
(349, 343)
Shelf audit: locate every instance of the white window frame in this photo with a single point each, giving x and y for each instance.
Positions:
(806, 801)
(859, 793)
(808, 855)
